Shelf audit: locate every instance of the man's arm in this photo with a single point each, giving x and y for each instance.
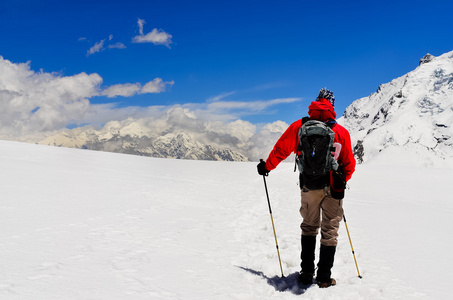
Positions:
(346, 158)
(285, 145)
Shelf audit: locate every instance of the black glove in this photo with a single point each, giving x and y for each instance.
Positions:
(262, 168)
(337, 183)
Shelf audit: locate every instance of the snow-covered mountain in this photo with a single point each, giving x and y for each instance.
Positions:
(132, 137)
(408, 120)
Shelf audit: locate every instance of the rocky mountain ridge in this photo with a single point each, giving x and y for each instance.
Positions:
(409, 119)
(133, 139)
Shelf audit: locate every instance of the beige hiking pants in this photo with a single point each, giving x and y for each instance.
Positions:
(313, 203)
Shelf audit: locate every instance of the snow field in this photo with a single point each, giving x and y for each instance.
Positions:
(80, 224)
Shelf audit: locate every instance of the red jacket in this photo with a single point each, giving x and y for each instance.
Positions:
(319, 110)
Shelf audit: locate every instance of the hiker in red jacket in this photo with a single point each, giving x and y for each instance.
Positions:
(318, 196)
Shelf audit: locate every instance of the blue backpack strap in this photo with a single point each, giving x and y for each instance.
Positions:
(331, 122)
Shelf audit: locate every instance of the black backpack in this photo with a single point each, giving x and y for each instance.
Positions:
(315, 159)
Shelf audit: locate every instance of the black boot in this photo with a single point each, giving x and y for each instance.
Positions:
(307, 256)
(325, 264)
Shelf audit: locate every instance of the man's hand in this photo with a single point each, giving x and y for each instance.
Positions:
(262, 168)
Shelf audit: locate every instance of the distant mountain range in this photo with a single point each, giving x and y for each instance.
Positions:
(132, 139)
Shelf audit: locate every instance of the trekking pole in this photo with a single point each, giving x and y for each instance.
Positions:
(347, 230)
(273, 227)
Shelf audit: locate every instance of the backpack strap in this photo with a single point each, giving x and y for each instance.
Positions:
(331, 123)
(302, 122)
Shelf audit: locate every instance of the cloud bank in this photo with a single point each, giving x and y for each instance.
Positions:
(35, 105)
(35, 102)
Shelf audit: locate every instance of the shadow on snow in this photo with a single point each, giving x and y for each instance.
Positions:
(282, 284)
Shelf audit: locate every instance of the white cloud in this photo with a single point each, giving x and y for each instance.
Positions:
(140, 23)
(37, 102)
(98, 47)
(155, 86)
(251, 107)
(117, 45)
(156, 36)
(221, 96)
(124, 90)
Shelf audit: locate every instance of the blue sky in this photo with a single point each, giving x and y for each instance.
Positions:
(228, 51)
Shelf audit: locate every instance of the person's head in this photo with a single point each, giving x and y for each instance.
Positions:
(323, 107)
(324, 93)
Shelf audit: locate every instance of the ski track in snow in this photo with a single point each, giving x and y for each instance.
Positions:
(79, 224)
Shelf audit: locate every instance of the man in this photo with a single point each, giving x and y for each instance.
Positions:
(317, 194)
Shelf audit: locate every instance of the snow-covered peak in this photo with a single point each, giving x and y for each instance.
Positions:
(407, 120)
(426, 59)
(134, 138)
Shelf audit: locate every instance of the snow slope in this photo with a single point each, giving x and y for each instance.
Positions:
(409, 118)
(79, 224)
